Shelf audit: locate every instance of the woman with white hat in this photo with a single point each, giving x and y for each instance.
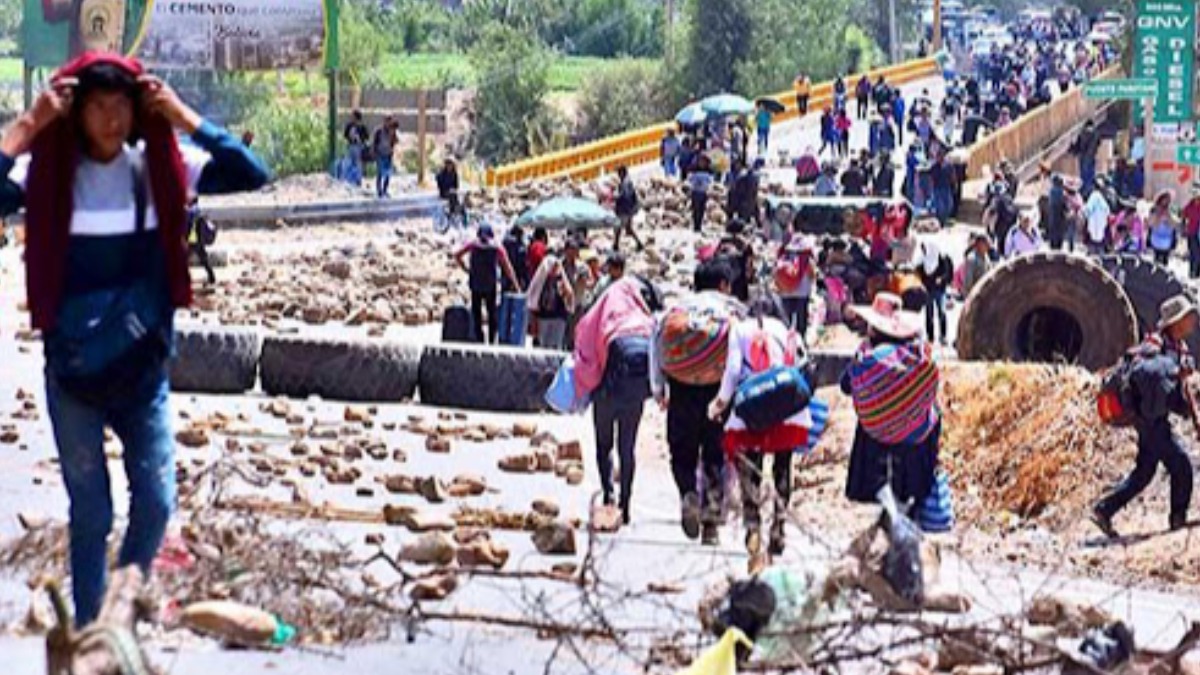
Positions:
(893, 381)
(1025, 238)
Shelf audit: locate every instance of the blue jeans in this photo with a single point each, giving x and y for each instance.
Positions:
(1087, 175)
(670, 166)
(764, 140)
(143, 424)
(355, 174)
(935, 315)
(383, 175)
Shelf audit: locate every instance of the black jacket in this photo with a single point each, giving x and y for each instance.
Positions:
(447, 182)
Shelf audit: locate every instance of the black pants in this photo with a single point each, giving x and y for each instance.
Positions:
(844, 144)
(1156, 445)
(1193, 256)
(201, 253)
(750, 475)
(802, 103)
(1162, 258)
(617, 417)
(480, 300)
(699, 206)
(695, 441)
(795, 310)
(862, 107)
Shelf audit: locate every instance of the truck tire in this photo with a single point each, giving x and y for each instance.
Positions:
(215, 360)
(1048, 307)
(339, 369)
(1147, 284)
(477, 377)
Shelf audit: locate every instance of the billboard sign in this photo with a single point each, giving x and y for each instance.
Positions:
(223, 35)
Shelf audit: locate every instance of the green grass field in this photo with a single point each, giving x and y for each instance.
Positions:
(417, 70)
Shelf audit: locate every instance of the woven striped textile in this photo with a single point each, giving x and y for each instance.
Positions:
(895, 388)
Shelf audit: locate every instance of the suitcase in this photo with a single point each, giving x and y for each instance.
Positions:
(457, 325)
(514, 320)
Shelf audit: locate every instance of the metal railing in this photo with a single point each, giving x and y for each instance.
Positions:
(640, 146)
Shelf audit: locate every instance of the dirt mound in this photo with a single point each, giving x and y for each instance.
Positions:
(1026, 441)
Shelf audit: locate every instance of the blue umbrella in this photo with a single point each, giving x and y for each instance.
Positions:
(567, 213)
(727, 104)
(692, 115)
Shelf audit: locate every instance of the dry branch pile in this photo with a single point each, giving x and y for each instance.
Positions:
(1026, 440)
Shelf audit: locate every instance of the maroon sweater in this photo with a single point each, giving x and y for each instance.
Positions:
(48, 200)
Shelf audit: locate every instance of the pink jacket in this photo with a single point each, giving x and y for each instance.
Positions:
(620, 312)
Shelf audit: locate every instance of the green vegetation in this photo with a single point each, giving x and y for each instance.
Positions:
(10, 70)
(511, 117)
(624, 97)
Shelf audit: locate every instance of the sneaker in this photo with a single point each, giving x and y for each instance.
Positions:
(1104, 523)
(690, 517)
(710, 535)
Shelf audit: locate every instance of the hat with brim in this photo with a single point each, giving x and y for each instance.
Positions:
(1174, 310)
(587, 255)
(981, 236)
(1072, 183)
(886, 315)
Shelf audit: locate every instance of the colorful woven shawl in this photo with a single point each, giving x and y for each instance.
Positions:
(895, 391)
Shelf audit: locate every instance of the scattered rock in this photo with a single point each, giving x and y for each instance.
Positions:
(575, 475)
(523, 463)
(421, 522)
(524, 429)
(437, 444)
(570, 450)
(356, 415)
(661, 588)
(278, 408)
(9, 437)
(545, 507)
(373, 539)
(554, 538)
(565, 570)
(483, 553)
(400, 484)
(432, 490)
(398, 515)
(434, 548)
(191, 438)
(542, 438)
(433, 589)
(338, 269)
(466, 486)
(545, 461)
(364, 492)
(300, 449)
(230, 621)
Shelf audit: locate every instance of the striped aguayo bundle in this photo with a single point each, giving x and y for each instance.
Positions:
(695, 342)
(895, 392)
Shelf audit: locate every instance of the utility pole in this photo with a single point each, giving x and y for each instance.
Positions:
(893, 34)
(937, 26)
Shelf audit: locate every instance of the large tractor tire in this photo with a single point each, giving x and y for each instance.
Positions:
(339, 369)
(1048, 307)
(499, 379)
(215, 360)
(1147, 284)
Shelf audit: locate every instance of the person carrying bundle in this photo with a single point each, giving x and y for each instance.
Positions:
(893, 381)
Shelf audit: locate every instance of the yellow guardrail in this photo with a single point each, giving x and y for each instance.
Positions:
(1024, 138)
(590, 160)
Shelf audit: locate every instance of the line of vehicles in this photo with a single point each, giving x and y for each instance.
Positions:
(981, 28)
